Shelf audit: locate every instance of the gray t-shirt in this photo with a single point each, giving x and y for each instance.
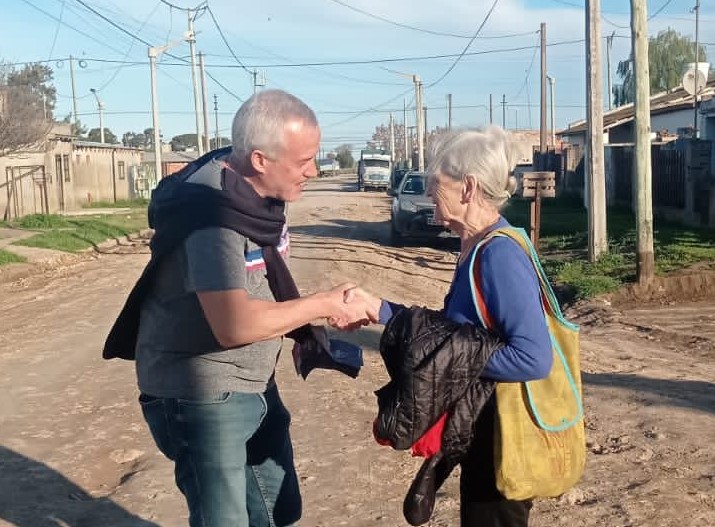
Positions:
(177, 354)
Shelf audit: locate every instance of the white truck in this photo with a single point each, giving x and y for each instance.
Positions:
(374, 169)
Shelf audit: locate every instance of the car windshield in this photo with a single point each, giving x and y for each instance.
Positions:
(380, 163)
(414, 185)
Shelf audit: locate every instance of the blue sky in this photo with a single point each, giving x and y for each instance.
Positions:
(350, 99)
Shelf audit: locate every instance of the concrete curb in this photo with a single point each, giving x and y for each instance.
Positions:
(21, 271)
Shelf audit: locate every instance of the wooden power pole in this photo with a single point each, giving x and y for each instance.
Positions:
(542, 125)
(595, 165)
(645, 261)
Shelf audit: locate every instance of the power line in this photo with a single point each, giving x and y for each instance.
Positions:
(131, 45)
(136, 37)
(466, 48)
(223, 37)
(419, 29)
(183, 62)
(57, 29)
(659, 11)
(371, 109)
(374, 110)
(528, 72)
(112, 23)
(87, 35)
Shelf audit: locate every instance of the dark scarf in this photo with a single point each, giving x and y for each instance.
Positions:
(179, 208)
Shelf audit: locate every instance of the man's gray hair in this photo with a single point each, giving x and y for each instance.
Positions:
(259, 122)
(487, 154)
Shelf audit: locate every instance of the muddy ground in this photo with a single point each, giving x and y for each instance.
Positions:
(74, 450)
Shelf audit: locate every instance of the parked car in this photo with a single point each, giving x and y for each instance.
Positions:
(412, 214)
(397, 176)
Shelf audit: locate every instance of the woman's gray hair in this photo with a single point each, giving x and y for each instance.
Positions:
(259, 122)
(487, 154)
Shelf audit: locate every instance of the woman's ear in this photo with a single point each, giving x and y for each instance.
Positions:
(470, 189)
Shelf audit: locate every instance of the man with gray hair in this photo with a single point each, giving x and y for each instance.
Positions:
(205, 321)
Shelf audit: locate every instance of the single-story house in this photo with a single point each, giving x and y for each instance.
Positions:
(61, 173)
(671, 111)
(171, 162)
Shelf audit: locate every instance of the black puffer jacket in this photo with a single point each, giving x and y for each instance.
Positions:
(434, 366)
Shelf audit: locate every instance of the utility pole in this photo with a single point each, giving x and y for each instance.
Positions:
(153, 54)
(552, 81)
(419, 115)
(449, 111)
(696, 131)
(74, 95)
(542, 126)
(491, 110)
(645, 261)
(191, 38)
(100, 108)
(204, 103)
(407, 159)
(216, 118)
(392, 138)
(609, 48)
(503, 111)
(595, 171)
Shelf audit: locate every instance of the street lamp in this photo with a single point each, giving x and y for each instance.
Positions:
(552, 81)
(154, 53)
(100, 107)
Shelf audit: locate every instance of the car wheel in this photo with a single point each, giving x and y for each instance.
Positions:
(396, 239)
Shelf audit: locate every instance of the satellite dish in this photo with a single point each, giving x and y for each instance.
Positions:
(694, 81)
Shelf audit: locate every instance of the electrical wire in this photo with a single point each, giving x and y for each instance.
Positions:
(57, 29)
(64, 23)
(369, 110)
(138, 38)
(659, 11)
(419, 29)
(225, 41)
(184, 62)
(528, 73)
(466, 48)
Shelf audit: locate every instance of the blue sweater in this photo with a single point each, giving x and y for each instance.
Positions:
(511, 293)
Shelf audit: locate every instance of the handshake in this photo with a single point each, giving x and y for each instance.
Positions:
(350, 307)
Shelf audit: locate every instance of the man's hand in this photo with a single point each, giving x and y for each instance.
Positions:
(363, 302)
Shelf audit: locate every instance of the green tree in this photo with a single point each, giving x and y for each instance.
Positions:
(182, 142)
(78, 129)
(95, 136)
(668, 53)
(27, 99)
(344, 155)
(36, 81)
(135, 140)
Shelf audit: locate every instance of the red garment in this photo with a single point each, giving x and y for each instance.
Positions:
(427, 445)
(431, 442)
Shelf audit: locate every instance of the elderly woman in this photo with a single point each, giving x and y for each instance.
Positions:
(470, 181)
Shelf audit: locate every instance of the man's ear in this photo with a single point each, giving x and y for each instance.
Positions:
(259, 160)
(470, 189)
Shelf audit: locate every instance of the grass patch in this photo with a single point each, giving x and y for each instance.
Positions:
(6, 257)
(74, 234)
(564, 242)
(119, 204)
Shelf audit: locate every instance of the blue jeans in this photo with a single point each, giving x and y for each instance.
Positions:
(233, 458)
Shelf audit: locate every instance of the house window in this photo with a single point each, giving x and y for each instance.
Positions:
(58, 166)
(66, 160)
(122, 170)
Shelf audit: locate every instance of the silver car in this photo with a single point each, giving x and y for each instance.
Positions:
(412, 212)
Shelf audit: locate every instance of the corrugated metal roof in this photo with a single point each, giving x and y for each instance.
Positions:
(674, 100)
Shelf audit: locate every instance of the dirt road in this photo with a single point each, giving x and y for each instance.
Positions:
(74, 450)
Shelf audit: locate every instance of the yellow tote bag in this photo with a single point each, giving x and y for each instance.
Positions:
(540, 443)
